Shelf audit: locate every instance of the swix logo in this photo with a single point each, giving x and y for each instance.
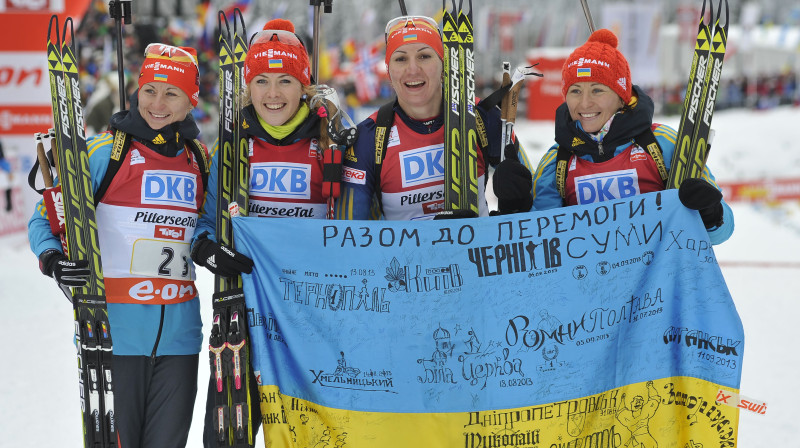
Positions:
(281, 180)
(145, 291)
(58, 205)
(354, 176)
(605, 186)
(740, 401)
(422, 165)
(170, 233)
(169, 188)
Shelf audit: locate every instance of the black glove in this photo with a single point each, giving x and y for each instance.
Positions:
(700, 195)
(219, 259)
(72, 273)
(455, 214)
(512, 183)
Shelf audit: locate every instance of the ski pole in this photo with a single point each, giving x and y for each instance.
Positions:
(588, 15)
(120, 11)
(403, 9)
(315, 45)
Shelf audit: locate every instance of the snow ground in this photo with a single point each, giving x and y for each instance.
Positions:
(761, 264)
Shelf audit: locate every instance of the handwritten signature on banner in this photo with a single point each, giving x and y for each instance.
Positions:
(607, 324)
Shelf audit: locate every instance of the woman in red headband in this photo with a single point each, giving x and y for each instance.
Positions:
(147, 200)
(604, 128)
(285, 160)
(408, 183)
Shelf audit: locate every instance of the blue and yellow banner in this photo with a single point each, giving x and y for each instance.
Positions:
(607, 325)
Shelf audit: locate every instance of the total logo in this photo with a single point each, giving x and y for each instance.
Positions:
(422, 165)
(176, 188)
(281, 180)
(170, 233)
(606, 186)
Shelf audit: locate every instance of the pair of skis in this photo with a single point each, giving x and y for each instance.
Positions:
(460, 124)
(693, 141)
(92, 330)
(229, 344)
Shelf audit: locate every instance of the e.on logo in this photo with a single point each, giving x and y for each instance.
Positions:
(606, 186)
(20, 76)
(165, 292)
(169, 188)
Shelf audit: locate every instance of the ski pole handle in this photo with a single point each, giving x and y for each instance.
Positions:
(120, 11)
(44, 164)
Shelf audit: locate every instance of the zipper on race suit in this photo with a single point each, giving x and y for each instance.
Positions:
(158, 336)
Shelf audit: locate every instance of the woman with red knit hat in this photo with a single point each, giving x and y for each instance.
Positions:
(604, 129)
(285, 159)
(147, 176)
(408, 183)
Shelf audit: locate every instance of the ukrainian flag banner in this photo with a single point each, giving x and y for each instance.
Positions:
(607, 325)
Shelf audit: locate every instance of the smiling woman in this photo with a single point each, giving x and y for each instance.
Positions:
(607, 146)
(397, 169)
(285, 161)
(147, 200)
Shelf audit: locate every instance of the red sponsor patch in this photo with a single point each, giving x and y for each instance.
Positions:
(433, 207)
(354, 176)
(638, 157)
(170, 233)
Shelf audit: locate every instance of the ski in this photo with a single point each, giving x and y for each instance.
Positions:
(461, 137)
(229, 347)
(92, 330)
(692, 144)
(468, 131)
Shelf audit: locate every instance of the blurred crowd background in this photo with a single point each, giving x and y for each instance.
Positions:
(351, 46)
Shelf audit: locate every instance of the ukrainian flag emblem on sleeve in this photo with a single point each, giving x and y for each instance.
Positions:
(276, 63)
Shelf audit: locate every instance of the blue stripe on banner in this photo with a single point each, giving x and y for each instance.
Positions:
(444, 316)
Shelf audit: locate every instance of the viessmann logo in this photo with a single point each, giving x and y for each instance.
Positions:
(170, 233)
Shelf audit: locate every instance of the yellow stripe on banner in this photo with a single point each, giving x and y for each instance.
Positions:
(677, 411)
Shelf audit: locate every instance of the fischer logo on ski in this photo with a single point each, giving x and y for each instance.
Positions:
(692, 143)
(92, 331)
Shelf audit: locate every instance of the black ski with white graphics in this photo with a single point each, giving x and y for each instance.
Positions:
(229, 346)
(92, 330)
(692, 144)
(461, 136)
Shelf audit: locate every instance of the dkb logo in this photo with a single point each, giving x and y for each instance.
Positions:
(169, 188)
(281, 180)
(604, 186)
(422, 165)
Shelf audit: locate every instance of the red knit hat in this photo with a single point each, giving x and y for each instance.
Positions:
(277, 50)
(172, 65)
(410, 30)
(598, 60)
